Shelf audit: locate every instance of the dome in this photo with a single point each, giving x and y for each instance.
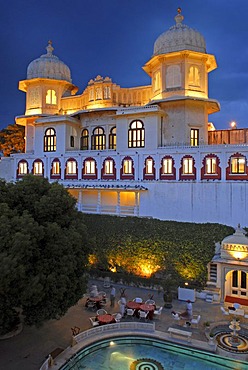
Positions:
(237, 238)
(179, 37)
(49, 66)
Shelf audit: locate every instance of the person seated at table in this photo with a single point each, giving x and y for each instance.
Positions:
(176, 315)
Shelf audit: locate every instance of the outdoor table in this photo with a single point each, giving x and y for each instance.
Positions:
(97, 301)
(105, 319)
(134, 306)
(148, 308)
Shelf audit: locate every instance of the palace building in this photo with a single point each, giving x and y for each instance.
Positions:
(146, 151)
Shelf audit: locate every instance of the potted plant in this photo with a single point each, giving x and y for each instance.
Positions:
(211, 339)
(207, 326)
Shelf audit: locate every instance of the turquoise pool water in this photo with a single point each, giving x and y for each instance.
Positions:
(121, 354)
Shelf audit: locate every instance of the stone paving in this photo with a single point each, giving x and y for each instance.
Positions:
(31, 347)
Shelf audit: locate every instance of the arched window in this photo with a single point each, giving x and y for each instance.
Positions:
(194, 76)
(187, 170)
(211, 168)
(112, 138)
(51, 97)
(136, 135)
(108, 171)
(237, 167)
(98, 139)
(71, 169)
(173, 76)
(167, 169)
(55, 169)
(22, 168)
(50, 140)
(89, 170)
(149, 169)
(127, 169)
(38, 168)
(106, 92)
(84, 140)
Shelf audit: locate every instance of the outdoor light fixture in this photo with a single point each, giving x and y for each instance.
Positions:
(233, 125)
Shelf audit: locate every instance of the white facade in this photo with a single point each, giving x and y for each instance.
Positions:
(139, 151)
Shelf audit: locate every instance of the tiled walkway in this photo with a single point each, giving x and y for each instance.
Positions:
(30, 348)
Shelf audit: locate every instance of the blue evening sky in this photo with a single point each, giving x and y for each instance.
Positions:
(115, 38)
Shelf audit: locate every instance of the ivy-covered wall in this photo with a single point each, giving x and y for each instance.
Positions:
(153, 248)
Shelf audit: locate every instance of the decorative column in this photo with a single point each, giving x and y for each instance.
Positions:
(136, 208)
(118, 207)
(98, 207)
(80, 200)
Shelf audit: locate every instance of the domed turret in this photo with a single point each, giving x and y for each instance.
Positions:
(179, 37)
(49, 66)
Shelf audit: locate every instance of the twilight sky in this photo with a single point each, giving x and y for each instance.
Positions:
(115, 38)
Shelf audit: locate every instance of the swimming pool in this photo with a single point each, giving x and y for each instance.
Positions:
(141, 353)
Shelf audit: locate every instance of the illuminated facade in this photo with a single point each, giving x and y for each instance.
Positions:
(139, 151)
(228, 270)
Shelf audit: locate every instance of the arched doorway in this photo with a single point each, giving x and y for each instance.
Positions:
(236, 284)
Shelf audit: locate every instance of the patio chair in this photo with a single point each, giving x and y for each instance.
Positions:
(195, 320)
(143, 315)
(91, 305)
(224, 311)
(101, 311)
(117, 317)
(103, 294)
(150, 301)
(138, 300)
(176, 316)
(93, 321)
(158, 311)
(130, 312)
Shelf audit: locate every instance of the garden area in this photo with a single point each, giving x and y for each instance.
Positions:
(149, 251)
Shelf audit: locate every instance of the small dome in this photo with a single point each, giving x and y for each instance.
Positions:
(237, 238)
(179, 37)
(49, 66)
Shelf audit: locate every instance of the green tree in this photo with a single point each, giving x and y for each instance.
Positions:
(43, 251)
(12, 139)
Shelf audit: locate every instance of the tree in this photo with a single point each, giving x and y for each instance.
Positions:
(12, 139)
(43, 251)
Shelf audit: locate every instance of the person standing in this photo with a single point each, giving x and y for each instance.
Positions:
(189, 309)
(112, 296)
(123, 303)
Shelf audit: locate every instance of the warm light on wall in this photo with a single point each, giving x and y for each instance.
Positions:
(238, 255)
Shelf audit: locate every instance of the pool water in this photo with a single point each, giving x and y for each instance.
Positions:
(140, 353)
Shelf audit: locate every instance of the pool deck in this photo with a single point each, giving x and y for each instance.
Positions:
(30, 348)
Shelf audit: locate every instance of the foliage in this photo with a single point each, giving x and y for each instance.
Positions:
(12, 140)
(174, 251)
(43, 250)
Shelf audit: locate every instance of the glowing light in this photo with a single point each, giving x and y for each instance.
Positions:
(111, 343)
(238, 254)
(233, 125)
(92, 259)
(186, 283)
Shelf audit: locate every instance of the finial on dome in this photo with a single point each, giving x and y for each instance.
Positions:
(49, 48)
(179, 17)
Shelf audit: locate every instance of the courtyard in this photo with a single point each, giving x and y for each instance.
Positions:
(29, 349)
